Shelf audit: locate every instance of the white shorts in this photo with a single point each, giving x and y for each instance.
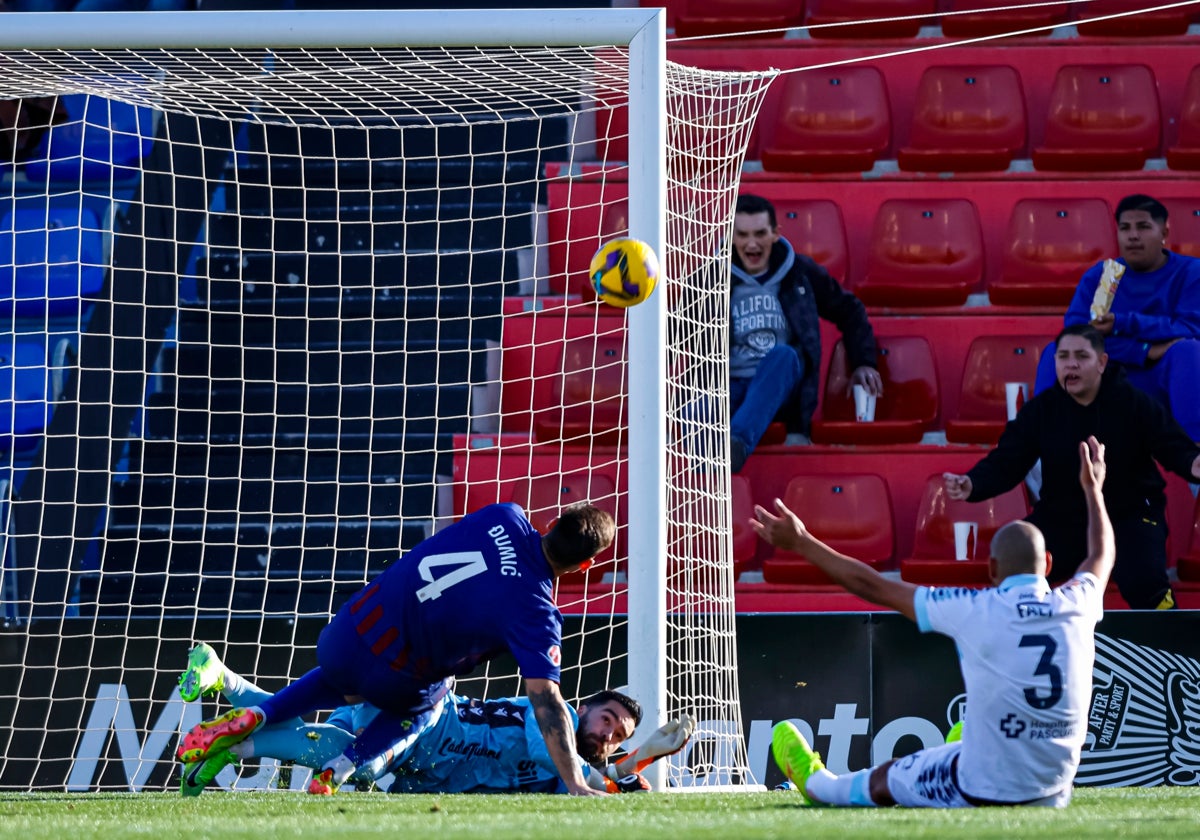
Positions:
(929, 779)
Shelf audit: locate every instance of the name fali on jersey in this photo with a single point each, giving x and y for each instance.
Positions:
(508, 554)
(1034, 609)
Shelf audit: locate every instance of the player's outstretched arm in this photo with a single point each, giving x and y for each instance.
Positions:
(1102, 551)
(668, 740)
(788, 532)
(554, 720)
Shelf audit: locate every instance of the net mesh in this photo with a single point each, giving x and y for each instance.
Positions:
(277, 315)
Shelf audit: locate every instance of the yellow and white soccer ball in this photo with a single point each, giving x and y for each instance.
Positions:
(624, 272)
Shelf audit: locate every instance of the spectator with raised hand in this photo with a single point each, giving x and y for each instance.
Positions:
(1146, 305)
(1092, 398)
(777, 298)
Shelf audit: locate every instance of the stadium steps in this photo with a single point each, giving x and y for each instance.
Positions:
(344, 304)
(388, 271)
(377, 226)
(322, 362)
(190, 596)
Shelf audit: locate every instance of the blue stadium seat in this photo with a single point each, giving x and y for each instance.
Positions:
(50, 258)
(103, 139)
(24, 392)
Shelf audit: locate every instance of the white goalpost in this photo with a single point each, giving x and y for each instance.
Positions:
(289, 291)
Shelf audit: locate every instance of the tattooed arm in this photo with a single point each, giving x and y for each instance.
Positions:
(555, 722)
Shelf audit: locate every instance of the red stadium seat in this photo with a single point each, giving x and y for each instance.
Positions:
(697, 18)
(882, 16)
(834, 119)
(923, 252)
(543, 498)
(614, 224)
(1188, 566)
(815, 228)
(992, 361)
(1050, 243)
(1101, 117)
(933, 543)
(692, 527)
(1183, 221)
(966, 119)
(909, 405)
(974, 24)
(587, 396)
(1185, 154)
(745, 541)
(850, 513)
(1145, 24)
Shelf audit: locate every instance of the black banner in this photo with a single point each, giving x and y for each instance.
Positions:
(88, 705)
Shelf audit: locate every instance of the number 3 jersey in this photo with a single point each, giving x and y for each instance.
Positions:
(459, 598)
(1026, 652)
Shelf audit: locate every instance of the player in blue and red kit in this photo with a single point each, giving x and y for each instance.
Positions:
(473, 746)
(461, 597)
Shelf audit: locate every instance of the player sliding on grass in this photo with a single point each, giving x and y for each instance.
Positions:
(461, 597)
(472, 746)
(1026, 651)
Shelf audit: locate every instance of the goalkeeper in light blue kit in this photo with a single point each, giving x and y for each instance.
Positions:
(471, 746)
(468, 593)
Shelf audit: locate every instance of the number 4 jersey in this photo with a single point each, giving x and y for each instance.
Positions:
(460, 597)
(1027, 653)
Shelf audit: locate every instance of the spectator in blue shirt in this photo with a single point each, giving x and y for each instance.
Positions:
(1152, 329)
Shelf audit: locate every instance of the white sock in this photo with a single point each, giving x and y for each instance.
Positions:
(850, 789)
(342, 768)
(232, 683)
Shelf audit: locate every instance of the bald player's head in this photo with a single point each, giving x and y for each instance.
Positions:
(1019, 549)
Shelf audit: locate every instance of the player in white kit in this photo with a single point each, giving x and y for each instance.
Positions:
(1026, 652)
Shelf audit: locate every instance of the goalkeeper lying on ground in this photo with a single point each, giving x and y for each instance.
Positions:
(476, 746)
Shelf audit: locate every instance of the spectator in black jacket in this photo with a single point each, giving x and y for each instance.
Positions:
(776, 297)
(1090, 398)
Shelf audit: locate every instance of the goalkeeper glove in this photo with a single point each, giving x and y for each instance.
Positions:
(633, 783)
(668, 740)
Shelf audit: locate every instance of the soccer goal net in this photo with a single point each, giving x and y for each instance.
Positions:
(283, 293)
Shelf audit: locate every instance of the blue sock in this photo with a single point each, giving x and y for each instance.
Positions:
(310, 745)
(307, 694)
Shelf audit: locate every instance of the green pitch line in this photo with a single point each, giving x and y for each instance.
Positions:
(1101, 813)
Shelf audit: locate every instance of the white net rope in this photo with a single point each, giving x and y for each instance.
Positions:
(316, 277)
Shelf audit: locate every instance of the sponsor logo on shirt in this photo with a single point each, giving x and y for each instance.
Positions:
(555, 655)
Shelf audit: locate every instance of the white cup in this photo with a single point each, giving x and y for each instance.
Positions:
(864, 405)
(965, 534)
(1015, 394)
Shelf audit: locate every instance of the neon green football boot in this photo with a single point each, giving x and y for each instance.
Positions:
(955, 733)
(196, 776)
(205, 675)
(795, 757)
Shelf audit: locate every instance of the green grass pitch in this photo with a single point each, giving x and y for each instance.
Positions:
(1107, 813)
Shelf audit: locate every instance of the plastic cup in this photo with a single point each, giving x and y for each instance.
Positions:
(965, 534)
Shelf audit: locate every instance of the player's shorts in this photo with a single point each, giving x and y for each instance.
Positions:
(929, 779)
(350, 666)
